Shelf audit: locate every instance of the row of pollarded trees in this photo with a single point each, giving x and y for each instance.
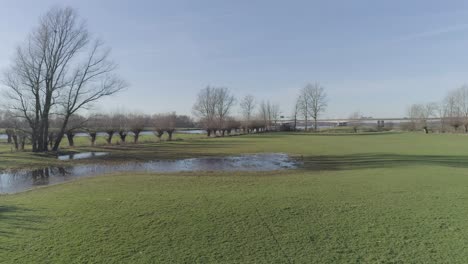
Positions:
(214, 110)
(111, 125)
(451, 112)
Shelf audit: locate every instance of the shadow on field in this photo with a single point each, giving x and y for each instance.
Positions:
(376, 160)
(16, 218)
(343, 134)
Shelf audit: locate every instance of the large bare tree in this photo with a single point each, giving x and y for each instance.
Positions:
(317, 101)
(213, 107)
(419, 114)
(247, 105)
(59, 70)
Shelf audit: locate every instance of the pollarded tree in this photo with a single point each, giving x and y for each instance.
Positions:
(110, 126)
(165, 123)
(93, 126)
(136, 124)
(7, 123)
(122, 124)
(76, 122)
(60, 69)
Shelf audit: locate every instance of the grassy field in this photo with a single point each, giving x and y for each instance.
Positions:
(365, 198)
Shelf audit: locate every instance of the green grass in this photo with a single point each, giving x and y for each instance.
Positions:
(375, 198)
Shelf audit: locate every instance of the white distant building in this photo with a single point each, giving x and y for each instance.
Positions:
(341, 123)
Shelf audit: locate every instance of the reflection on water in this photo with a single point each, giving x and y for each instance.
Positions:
(13, 181)
(84, 155)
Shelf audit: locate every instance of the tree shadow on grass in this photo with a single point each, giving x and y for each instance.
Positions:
(378, 160)
(13, 218)
(343, 134)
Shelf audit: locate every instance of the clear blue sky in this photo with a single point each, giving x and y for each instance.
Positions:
(373, 56)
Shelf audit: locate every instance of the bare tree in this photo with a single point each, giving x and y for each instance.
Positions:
(59, 70)
(303, 106)
(275, 113)
(136, 124)
(121, 121)
(212, 107)
(230, 125)
(75, 122)
(165, 123)
(461, 99)
(110, 124)
(296, 112)
(317, 101)
(419, 115)
(93, 125)
(355, 121)
(265, 114)
(247, 106)
(452, 110)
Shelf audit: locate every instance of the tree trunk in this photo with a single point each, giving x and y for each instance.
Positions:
(159, 134)
(15, 141)
(93, 136)
(169, 133)
(22, 141)
(110, 134)
(136, 134)
(50, 140)
(8, 132)
(123, 136)
(61, 133)
(70, 136)
(208, 132)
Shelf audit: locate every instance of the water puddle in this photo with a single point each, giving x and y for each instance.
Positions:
(194, 131)
(13, 181)
(83, 155)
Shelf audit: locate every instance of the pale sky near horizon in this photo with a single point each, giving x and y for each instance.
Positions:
(377, 57)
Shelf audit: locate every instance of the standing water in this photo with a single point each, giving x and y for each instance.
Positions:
(13, 181)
